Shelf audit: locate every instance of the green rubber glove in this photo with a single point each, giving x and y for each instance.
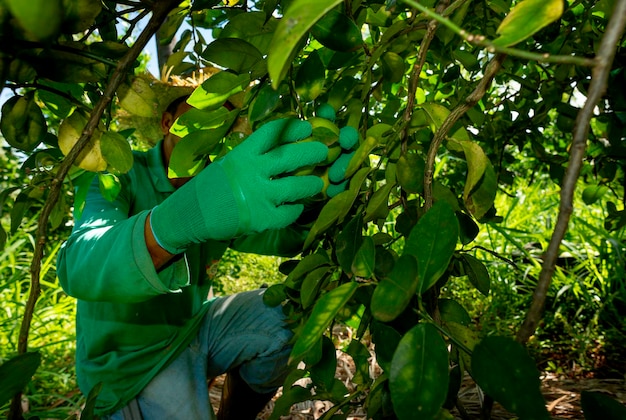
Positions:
(242, 192)
(348, 140)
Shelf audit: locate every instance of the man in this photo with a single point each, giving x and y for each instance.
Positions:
(137, 266)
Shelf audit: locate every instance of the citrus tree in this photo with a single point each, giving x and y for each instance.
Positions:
(452, 101)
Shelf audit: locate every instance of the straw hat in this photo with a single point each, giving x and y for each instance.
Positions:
(144, 98)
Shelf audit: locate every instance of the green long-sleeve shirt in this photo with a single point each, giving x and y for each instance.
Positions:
(131, 319)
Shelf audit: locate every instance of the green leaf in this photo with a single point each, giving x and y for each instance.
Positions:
(418, 379)
(253, 27)
(59, 105)
(3, 237)
(202, 119)
(386, 339)
(169, 28)
(138, 98)
(466, 336)
(468, 228)
(341, 91)
(393, 67)
(216, 90)
(526, 18)
(433, 241)
(237, 55)
(87, 413)
(323, 372)
(263, 104)
(476, 272)
(337, 207)
(59, 213)
(110, 185)
(322, 315)
(481, 200)
(363, 264)
(337, 31)
(290, 396)
(436, 114)
(505, 371)
(20, 206)
(117, 152)
(394, 292)
(452, 311)
(69, 66)
(189, 154)
(410, 172)
(361, 153)
(309, 81)
(361, 357)
(274, 295)
(304, 266)
(311, 285)
(79, 15)
(378, 205)
(477, 162)
(16, 373)
(445, 34)
(467, 59)
(599, 406)
(348, 242)
(40, 18)
(299, 17)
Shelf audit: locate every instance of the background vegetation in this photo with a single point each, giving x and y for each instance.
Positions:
(483, 220)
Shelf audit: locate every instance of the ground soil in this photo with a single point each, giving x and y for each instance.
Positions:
(562, 395)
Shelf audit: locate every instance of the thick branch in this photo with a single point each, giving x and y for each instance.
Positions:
(600, 74)
(469, 102)
(159, 13)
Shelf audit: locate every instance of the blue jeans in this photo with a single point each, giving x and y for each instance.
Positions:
(237, 331)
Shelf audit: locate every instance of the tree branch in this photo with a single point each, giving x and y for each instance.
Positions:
(600, 74)
(472, 99)
(483, 42)
(159, 13)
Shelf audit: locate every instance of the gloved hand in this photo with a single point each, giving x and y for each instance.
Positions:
(242, 192)
(348, 141)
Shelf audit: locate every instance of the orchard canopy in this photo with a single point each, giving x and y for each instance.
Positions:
(456, 103)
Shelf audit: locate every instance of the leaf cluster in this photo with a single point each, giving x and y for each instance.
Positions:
(452, 101)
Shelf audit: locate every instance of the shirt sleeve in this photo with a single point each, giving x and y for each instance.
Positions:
(106, 257)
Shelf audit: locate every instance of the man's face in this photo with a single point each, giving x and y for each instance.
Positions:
(168, 119)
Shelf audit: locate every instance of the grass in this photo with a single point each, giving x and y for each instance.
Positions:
(52, 393)
(582, 329)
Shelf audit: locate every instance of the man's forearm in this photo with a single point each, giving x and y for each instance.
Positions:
(159, 256)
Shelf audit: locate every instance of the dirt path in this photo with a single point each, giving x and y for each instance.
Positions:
(562, 399)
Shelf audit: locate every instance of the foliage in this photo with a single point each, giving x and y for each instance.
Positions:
(236, 272)
(454, 102)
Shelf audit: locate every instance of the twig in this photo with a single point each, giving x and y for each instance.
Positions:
(472, 99)
(134, 22)
(160, 11)
(481, 41)
(24, 44)
(39, 86)
(600, 74)
(417, 70)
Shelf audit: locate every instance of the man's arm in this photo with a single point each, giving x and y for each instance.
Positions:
(111, 257)
(159, 256)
